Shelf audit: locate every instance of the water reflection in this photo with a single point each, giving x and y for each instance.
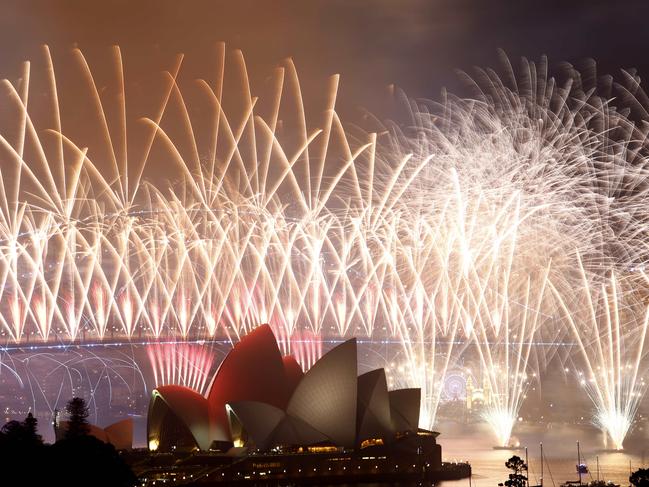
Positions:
(475, 444)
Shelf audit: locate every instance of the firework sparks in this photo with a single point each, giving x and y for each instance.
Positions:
(443, 235)
(610, 327)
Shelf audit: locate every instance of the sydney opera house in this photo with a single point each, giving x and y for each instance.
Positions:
(261, 405)
(261, 400)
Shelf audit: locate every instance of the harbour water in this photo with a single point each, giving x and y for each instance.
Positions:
(559, 449)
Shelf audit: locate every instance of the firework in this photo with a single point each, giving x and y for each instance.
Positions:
(445, 234)
(182, 364)
(45, 380)
(518, 187)
(609, 324)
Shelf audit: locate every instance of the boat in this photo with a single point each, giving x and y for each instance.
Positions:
(602, 483)
(582, 468)
(571, 483)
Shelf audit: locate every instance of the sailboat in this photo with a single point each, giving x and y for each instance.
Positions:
(582, 469)
(601, 483)
(540, 484)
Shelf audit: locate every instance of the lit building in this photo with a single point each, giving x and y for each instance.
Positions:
(119, 434)
(478, 397)
(263, 402)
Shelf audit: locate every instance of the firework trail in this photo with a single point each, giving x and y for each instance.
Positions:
(443, 233)
(609, 324)
(182, 364)
(528, 182)
(48, 379)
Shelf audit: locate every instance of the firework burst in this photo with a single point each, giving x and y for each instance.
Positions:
(446, 233)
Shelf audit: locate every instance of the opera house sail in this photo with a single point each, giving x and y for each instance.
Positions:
(260, 401)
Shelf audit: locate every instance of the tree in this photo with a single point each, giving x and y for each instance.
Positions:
(30, 426)
(76, 461)
(78, 418)
(640, 478)
(516, 478)
(85, 460)
(13, 432)
(20, 449)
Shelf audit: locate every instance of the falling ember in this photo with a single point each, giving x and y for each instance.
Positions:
(39, 306)
(211, 322)
(126, 305)
(341, 316)
(184, 364)
(101, 309)
(306, 347)
(71, 318)
(155, 318)
(17, 310)
(182, 307)
(289, 322)
(610, 327)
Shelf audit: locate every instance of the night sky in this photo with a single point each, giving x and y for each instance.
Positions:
(417, 44)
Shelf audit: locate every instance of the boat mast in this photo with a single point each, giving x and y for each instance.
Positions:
(578, 463)
(541, 464)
